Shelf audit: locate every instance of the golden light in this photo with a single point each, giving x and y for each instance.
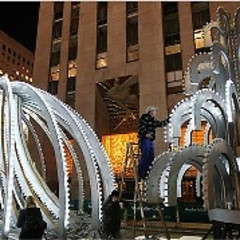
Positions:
(116, 146)
(69, 159)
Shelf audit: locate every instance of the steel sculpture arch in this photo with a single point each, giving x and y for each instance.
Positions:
(18, 101)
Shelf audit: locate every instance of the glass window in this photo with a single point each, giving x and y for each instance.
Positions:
(55, 73)
(75, 9)
(9, 50)
(173, 62)
(53, 87)
(101, 60)
(74, 26)
(55, 58)
(58, 10)
(72, 69)
(132, 31)
(71, 84)
(131, 7)
(200, 17)
(14, 53)
(55, 55)
(57, 30)
(4, 47)
(102, 13)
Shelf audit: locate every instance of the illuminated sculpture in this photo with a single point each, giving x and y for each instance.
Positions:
(21, 106)
(212, 84)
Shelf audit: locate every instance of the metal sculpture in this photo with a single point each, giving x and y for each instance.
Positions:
(21, 106)
(211, 85)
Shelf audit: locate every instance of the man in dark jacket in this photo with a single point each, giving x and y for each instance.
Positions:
(112, 217)
(146, 134)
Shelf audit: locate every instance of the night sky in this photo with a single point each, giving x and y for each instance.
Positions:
(19, 20)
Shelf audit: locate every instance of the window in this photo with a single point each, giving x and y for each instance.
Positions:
(102, 13)
(72, 69)
(55, 73)
(9, 50)
(101, 35)
(200, 14)
(55, 55)
(174, 81)
(53, 87)
(71, 84)
(132, 31)
(23, 59)
(169, 8)
(172, 42)
(4, 47)
(55, 58)
(14, 53)
(70, 96)
(73, 39)
(200, 17)
(74, 26)
(58, 10)
(173, 62)
(57, 30)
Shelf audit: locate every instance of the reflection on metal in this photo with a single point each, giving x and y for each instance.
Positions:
(211, 85)
(22, 104)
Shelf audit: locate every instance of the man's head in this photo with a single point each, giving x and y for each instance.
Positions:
(115, 195)
(152, 110)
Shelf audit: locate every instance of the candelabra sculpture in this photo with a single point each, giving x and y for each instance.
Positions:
(211, 85)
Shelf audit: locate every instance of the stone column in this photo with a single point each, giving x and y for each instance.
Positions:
(152, 82)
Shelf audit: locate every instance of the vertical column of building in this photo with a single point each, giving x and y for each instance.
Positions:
(43, 46)
(116, 38)
(85, 81)
(62, 82)
(186, 32)
(152, 76)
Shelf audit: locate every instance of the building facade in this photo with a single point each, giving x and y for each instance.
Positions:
(110, 60)
(16, 61)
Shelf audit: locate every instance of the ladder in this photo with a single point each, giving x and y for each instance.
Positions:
(131, 164)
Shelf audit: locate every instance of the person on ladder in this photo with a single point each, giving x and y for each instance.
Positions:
(146, 134)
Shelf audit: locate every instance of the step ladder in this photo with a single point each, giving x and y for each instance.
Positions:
(131, 164)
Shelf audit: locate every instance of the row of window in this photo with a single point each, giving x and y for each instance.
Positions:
(18, 56)
(72, 53)
(171, 28)
(18, 76)
(172, 41)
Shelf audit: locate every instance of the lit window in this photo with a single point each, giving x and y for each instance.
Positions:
(101, 60)
(174, 82)
(26, 77)
(173, 49)
(55, 73)
(101, 35)
(1, 71)
(72, 69)
(132, 31)
(30, 79)
(17, 72)
(199, 38)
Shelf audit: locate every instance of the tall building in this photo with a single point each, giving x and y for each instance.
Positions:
(16, 61)
(110, 60)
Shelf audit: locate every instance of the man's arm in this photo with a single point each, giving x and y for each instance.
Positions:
(162, 123)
